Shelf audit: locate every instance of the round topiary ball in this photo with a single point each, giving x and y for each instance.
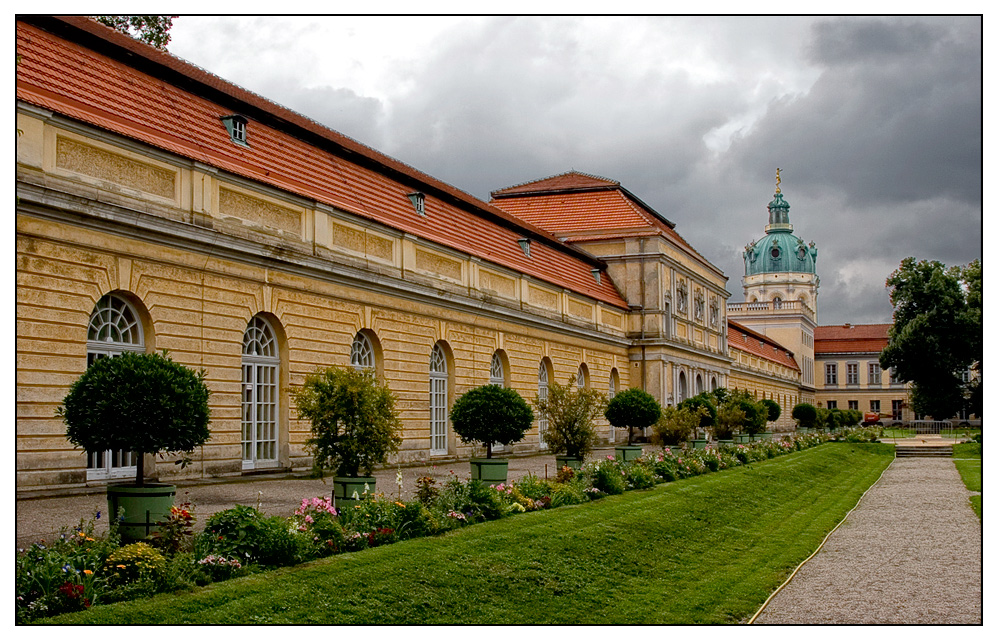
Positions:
(491, 414)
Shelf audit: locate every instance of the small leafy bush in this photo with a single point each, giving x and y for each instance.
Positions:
(607, 477)
(246, 534)
(491, 414)
(134, 563)
(220, 568)
(638, 476)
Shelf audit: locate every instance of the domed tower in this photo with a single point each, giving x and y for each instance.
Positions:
(781, 287)
(780, 267)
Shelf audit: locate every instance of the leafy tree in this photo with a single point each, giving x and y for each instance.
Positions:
(570, 414)
(805, 414)
(708, 417)
(755, 411)
(937, 332)
(633, 408)
(354, 423)
(143, 403)
(730, 417)
(676, 424)
(153, 30)
(491, 414)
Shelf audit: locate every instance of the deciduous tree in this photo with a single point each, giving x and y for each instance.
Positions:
(153, 30)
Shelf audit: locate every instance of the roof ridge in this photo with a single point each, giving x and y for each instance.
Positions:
(611, 182)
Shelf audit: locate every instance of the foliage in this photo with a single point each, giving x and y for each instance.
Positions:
(773, 410)
(65, 575)
(570, 414)
(676, 425)
(152, 30)
(634, 409)
(219, 568)
(136, 562)
(244, 533)
(491, 414)
(937, 332)
(805, 414)
(176, 533)
(143, 403)
(354, 423)
(755, 411)
(730, 418)
(708, 403)
(607, 477)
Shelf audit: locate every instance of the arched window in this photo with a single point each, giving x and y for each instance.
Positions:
(362, 355)
(497, 371)
(682, 388)
(438, 400)
(542, 393)
(777, 303)
(261, 379)
(114, 328)
(713, 383)
(582, 377)
(699, 384)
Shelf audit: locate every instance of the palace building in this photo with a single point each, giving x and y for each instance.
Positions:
(160, 207)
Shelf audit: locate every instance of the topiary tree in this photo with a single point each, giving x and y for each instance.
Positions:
(354, 423)
(706, 402)
(805, 414)
(632, 408)
(143, 403)
(773, 410)
(570, 414)
(755, 411)
(491, 414)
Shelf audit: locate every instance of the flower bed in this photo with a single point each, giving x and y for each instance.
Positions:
(83, 569)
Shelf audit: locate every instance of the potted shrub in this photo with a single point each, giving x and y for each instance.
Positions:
(805, 414)
(730, 417)
(706, 404)
(676, 425)
(632, 408)
(491, 414)
(354, 427)
(143, 403)
(755, 412)
(571, 413)
(772, 414)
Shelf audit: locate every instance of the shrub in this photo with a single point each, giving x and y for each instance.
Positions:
(638, 477)
(136, 562)
(772, 409)
(676, 425)
(570, 413)
(708, 415)
(491, 414)
(354, 423)
(247, 534)
(805, 414)
(634, 409)
(730, 417)
(219, 567)
(176, 533)
(607, 477)
(143, 403)
(532, 487)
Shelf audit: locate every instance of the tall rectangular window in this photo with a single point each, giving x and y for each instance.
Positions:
(852, 373)
(875, 406)
(874, 373)
(831, 374)
(896, 407)
(854, 405)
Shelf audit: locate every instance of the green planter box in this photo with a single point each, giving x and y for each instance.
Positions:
(765, 436)
(143, 507)
(628, 452)
(491, 471)
(699, 443)
(344, 488)
(742, 438)
(726, 441)
(573, 462)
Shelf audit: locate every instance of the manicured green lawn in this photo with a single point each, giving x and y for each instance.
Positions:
(708, 549)
(968, 464)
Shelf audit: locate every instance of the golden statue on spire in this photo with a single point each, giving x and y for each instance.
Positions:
(777, 180)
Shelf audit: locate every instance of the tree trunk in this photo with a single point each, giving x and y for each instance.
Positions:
(488, 450)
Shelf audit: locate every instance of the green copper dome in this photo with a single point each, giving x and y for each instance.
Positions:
(779, 250)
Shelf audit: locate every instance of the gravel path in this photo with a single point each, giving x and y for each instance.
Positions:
(910, 553)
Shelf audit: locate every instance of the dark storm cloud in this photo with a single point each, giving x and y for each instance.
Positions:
(876, 123)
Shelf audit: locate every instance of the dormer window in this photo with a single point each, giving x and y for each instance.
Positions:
(418, 200)
(525, 246)
(236, 126)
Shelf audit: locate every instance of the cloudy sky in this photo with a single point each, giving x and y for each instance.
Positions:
(874, 122)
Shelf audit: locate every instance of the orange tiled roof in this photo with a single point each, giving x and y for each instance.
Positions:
(577, 207)
(163, 101)
(850, 339)
(743, 338)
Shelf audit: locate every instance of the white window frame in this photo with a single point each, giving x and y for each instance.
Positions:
(260, 384)
(831, 374)
(497, 376)
(114, 329)
(438, 401)
(610, 393)
(852, 373)
(542, 394)
(362, 355)
(874, 373)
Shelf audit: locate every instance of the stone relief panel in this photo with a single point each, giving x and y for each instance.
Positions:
(102, 164)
